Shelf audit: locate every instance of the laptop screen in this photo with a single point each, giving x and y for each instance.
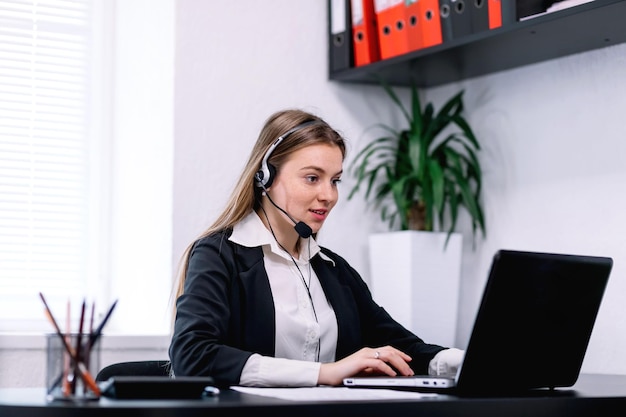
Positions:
(534, 321)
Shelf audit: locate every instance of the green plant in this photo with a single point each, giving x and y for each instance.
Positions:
(417, 174)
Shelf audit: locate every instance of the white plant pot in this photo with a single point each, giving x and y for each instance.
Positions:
(416, 278)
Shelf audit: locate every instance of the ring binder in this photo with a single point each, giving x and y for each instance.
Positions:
(339, 35)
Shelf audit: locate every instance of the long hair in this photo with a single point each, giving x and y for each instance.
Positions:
(244, 197)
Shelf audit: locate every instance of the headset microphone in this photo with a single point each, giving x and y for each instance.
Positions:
(303, 229)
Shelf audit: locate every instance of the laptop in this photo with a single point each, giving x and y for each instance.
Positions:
(531, 330)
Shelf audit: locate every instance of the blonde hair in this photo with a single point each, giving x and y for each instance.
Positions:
(244, 197)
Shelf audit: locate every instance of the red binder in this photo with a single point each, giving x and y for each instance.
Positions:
(495, 13)
(364, 32)
(501, 13)
(414, 24)
(431, 22)
(392, 33)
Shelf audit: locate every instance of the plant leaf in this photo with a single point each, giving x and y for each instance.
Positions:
(418, 165)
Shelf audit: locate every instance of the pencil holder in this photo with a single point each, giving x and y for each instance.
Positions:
(72, 361)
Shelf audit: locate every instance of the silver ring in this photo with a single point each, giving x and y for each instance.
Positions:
(376, 355)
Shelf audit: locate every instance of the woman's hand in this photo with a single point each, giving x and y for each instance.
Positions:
(386, 360)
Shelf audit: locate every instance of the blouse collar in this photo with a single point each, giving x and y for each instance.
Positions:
(251, 232)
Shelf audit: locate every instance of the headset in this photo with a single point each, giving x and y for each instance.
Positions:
(265, 175)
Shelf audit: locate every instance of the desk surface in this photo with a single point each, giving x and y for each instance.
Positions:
(593, 395)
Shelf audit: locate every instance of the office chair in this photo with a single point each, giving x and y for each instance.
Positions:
(137, 368)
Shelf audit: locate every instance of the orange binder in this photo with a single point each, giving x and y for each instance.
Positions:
(501, 13)
(391, 22)
(431, 22)
(364, 32)
(414, 24)
(495, 13)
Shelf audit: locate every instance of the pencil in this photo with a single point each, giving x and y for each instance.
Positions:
(67, 389)
(79, 346)
(83, 371)
(93, 337)
(93, 309)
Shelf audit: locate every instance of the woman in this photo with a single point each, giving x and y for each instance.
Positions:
(259, 303)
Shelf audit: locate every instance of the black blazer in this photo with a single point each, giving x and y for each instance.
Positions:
(227, 312)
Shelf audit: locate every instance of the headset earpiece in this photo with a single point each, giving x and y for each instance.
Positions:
(265, 176)
(266, 173)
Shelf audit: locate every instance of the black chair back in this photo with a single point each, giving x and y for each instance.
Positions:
(137, 368)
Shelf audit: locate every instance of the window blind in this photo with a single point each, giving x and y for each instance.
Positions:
(44, 154)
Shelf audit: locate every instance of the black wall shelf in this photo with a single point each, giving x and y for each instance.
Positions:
(585, 27)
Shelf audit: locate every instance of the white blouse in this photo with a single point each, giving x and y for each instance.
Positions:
(306, 326)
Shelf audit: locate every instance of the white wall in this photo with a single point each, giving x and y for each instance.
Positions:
(552, 135)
